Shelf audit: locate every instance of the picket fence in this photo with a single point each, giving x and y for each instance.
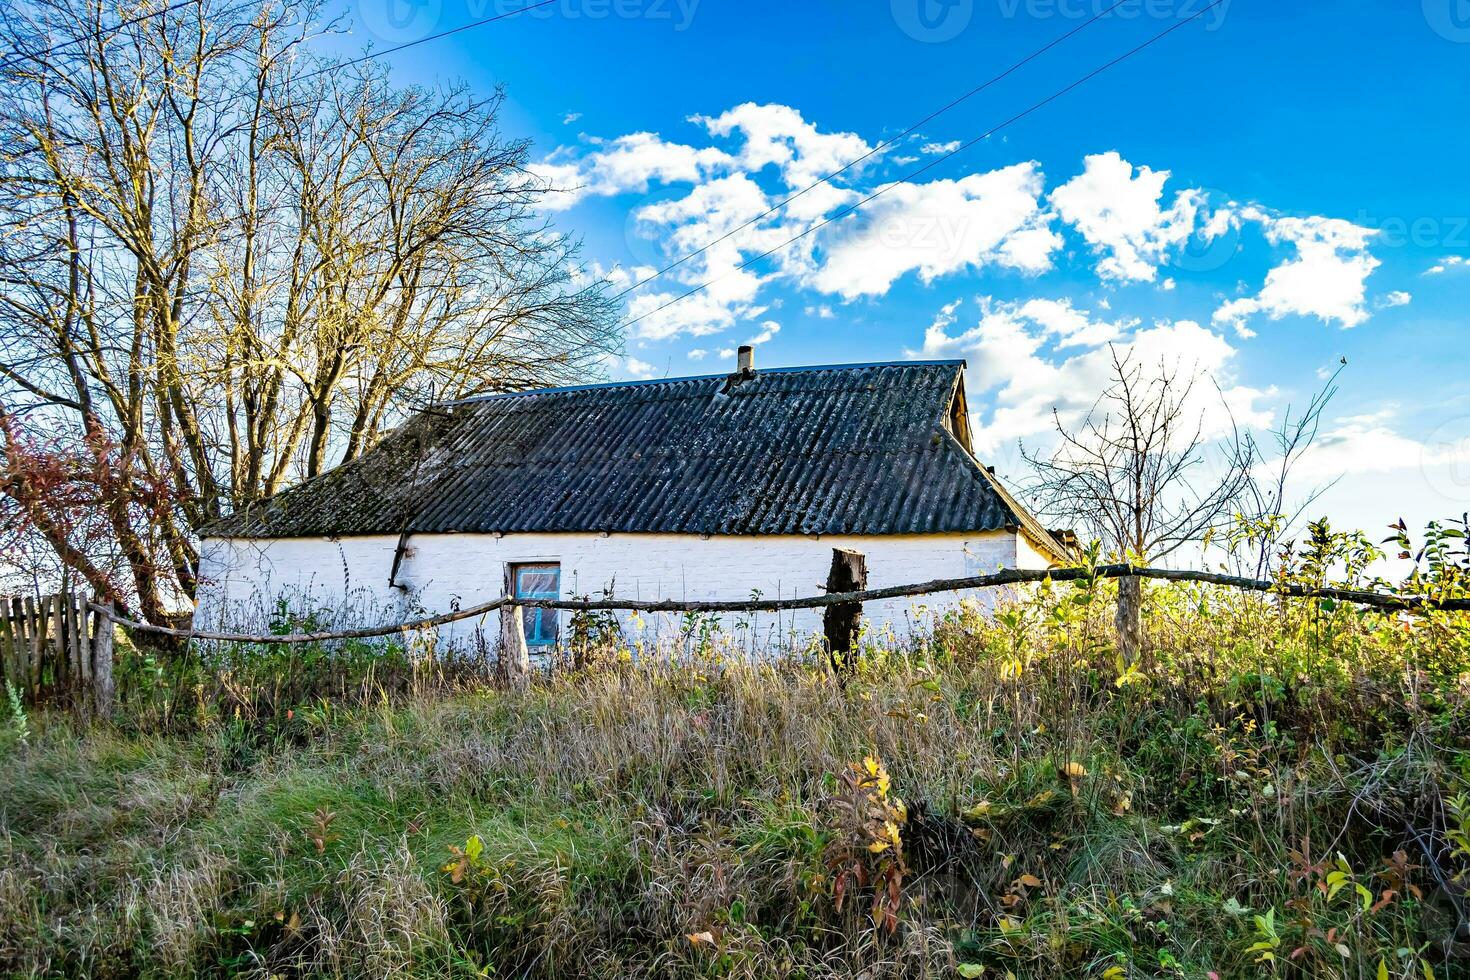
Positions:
(57, 649)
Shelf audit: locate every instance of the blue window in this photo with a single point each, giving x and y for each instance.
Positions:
(538, 582)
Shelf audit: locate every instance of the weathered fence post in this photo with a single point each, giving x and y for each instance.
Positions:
(76, 627)
(30, 657)
(58, 643)
(515, 657)
(102, 685)
(1128, 619)
(849, 573)
(15, 645)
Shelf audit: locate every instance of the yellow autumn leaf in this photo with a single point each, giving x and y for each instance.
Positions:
(1114, 973)
(1074, 770)
(1030, 881)
(701, 937)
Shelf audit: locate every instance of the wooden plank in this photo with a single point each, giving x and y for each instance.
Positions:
(25, 635)
(58, 641)
(47, 626)
(7, 647)
(36, 614)
(19, 640)
(73, 642)
(84, 639)
(102, 685)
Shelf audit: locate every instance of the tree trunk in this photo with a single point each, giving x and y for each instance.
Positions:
(1129, 619)
(849, 573)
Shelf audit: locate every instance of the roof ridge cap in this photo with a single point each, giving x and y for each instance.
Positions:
(648, 382)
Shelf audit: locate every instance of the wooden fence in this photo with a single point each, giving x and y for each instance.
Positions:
(57, 649)
(60, 647)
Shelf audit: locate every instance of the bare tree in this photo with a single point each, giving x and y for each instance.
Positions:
(1269, 509)
(226, 265)
(1139, 472)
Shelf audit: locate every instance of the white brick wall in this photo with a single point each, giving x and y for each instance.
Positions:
(241, 578)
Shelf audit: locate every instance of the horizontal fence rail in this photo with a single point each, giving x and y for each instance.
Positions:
(1014, 576)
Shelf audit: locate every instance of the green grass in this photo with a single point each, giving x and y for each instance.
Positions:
(689, 819)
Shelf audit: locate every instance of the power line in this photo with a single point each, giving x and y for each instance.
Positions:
(424, 40)
(881, 146)
(928, 166)
(120, 25)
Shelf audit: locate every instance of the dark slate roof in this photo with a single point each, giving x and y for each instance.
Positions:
(860, 449)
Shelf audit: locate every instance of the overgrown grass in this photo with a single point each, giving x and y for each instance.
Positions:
(1276, 789)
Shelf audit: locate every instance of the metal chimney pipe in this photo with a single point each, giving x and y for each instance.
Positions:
(745, 359)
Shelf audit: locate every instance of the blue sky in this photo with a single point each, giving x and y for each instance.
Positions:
(1272, 187)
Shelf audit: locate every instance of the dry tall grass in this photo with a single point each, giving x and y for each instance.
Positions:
(1277, 789)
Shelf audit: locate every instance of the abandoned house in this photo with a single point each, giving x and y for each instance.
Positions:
(699, 488)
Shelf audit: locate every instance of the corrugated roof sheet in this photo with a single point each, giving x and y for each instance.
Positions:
(835, 450)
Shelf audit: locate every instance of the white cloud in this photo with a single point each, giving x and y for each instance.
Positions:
(570, 118)
(937, 149)
(1369, 443)
(937, 228)
(638, 369)
(697, 354)
(1396, 298)
(778, 135)
(768, 330)
(682, 225)
(1018, 357)
(1327, 278)
(628, 163)
(1121, 216)
(1447, 263)
(998, 219)
(564, 180)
